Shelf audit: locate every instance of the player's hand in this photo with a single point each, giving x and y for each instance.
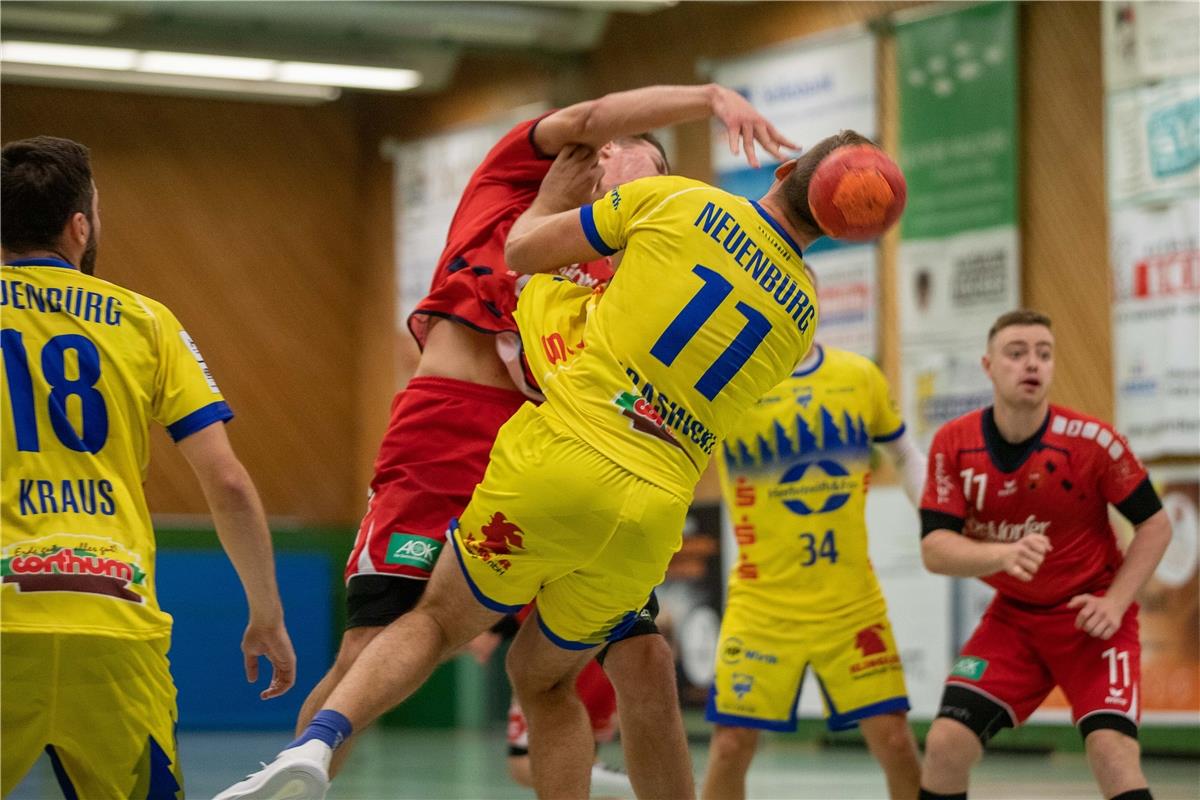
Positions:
(744, 126)
(482, 646)
(573, 180)
(1024, 557)
(273, 642)
(1098, 616)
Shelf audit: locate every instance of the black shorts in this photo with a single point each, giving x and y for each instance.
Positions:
(379, 600)
(644, 625)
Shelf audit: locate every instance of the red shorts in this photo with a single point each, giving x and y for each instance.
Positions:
(1018, 654)
(598, 696)
(434, 453)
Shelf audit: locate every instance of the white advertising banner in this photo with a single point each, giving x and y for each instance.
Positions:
(951, 288)
(1156, 326)
(1154, 142)
(811, 90)
(942, 382)
(1149, 41)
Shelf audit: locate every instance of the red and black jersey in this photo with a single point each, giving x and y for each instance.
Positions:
(1058, 483)
(472, 285)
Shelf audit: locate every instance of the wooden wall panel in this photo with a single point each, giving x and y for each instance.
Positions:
(241, 218)
(1064, 214)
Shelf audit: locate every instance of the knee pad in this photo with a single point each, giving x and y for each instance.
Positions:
(1104, 720)
(984, 716)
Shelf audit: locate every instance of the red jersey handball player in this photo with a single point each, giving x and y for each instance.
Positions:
(1017, 494)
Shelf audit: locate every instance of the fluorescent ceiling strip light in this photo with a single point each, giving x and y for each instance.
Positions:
(245, 69)
(68, 55)
(48, 74)
(199, 65)
(351, 77)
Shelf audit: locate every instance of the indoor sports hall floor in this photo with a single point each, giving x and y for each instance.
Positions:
(469, 765)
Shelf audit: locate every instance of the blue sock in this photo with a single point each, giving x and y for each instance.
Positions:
(330, 726)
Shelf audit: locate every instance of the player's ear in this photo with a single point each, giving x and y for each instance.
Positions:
(785, 169)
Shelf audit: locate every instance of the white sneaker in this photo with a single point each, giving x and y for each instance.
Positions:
(607, 781)
(298, 773)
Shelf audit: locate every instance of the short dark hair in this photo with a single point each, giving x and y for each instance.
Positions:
(652, 139)
(795, 186)
(1021, 316)
(44, 181)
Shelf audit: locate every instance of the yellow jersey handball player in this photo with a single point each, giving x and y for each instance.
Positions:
(584, 499)
(803, 595)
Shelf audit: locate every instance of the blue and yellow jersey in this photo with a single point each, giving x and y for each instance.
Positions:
(87, 365)
(709, 309)
(794, 474)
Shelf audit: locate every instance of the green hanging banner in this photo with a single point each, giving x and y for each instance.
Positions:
(959, 253)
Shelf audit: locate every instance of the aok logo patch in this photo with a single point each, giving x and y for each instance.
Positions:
(412, 551)
(970, 667)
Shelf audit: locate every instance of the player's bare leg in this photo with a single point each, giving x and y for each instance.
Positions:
(951, 750)
(891, 741)
(642, 670)
(561, 745)
(403, 655)
(354, 640)
(1116, 762)
(730, 752)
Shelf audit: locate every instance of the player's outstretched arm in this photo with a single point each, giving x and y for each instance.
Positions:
(242, 528)
(597, 122)
(912, 464)
(947, 552)
(1101, 616)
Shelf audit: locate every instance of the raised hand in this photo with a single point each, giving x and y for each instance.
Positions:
(744, 126)
(573, 180)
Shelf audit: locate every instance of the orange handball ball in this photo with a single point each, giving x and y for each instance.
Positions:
(856, 193)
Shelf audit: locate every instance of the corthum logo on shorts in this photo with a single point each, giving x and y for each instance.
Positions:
(645, 417)
(970, 667)
(410, 550)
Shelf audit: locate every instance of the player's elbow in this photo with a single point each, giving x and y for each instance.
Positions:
(520, 255)
(933, 553)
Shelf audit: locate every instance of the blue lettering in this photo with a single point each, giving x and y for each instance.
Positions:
(54, 298)
(741, 255)
(16, 296)
(93, 304)
(781, 296)
(771, 278)
(46, 497)
(708, 216)
(722, 224)
(68, 497)
(112, 311)
(737, 236)
(108, 506)
(88, 497)
(26, 495)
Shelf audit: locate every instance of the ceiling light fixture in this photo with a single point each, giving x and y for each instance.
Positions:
(155, 65)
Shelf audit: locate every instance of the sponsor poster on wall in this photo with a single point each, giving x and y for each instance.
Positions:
(1149, 41)
(1169, 612)
(810, 90)
(1154, 141)
(942, 383)
(1155, 253)
(958, 147)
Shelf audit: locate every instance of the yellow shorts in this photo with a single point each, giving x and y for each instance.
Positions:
(761, 662)
(102, 708)
(555, 519)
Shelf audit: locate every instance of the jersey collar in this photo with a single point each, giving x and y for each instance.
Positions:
(800, 373)
(778, 228)
(39, 262)
(1006, 456)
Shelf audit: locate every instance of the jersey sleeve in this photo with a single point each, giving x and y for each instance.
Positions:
(943, 505)
(608, 222)
(186, 398)
(1124, 481)
(886, 423)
